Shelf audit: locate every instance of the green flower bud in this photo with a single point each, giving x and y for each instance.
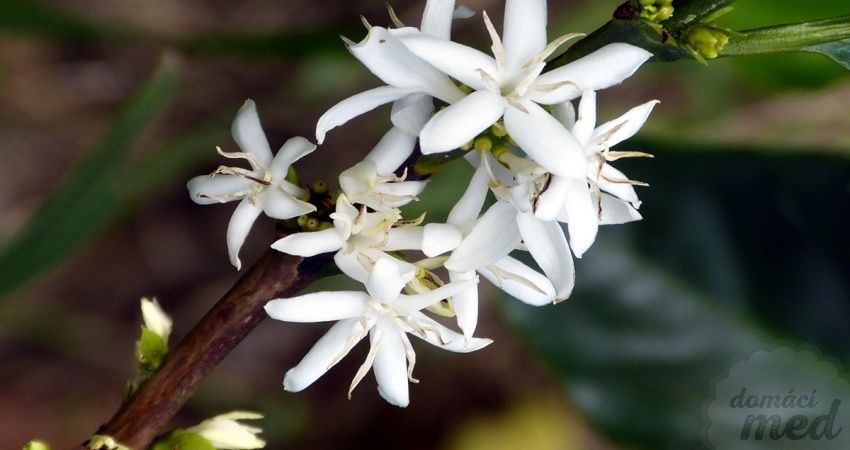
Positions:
(706, 42)
(36, 445)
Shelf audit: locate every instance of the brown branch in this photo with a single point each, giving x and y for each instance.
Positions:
(147, 413)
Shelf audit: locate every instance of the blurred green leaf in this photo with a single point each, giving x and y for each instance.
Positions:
(28, 16)
(87, 198)
(739, 244)
(838, 51)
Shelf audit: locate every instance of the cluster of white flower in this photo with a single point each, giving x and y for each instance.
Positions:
(544, 162)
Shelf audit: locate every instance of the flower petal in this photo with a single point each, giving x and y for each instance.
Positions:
(586, 120)
(391, 61)
(445, 338)
(613, 132)
(520, 281)
(322, 356)
(548, 246)
(615, 211)
(603, 68)
(392, 150)
(417, 302)
(412, 112)
(582, 218)
(249, 135)
(467, 209)
(386, 281)
(437, 18)
(456, 60)
(493, 237)
(356, 105)
(278, 204)
(390, 364)
(237, 230)
(310, 244)
(440, 238)
(465, 303)
(461, 122)
(524, 32)
(546, 141)
(318, 306)
(622, 189)
(293, 150)
(206, 189)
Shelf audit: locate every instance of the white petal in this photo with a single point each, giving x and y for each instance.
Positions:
(520, 281)
(386, 281)
(493, 237)
(625, 126)
(249, 135)
(404, 238)
(351, 266)
(412, 112)
(565, 113)
(310, 244)
(293, 150)
(390, 365)
(356, 105)
(237, 230)
(550, 204)
(548, 246)
(524, 33)
(202, 187)
(467, 209)
(448, 339)
(421, 301)
(582, 219)
(392, 150)
(440, 238)
(586, 120)
(603, 68)
(278, 204)
(623, 189)
(396, 65)
(456, 60)
(320, 358)
(437, 18)
(461, 122)
(465, 303)
(546, 141)
(318, 306)
(616, 211)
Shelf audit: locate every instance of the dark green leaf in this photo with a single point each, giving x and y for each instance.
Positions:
(87, 198)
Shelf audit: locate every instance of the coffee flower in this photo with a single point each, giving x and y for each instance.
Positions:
(383, 314)
(261, 189)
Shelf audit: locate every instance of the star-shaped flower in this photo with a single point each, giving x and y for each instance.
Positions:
(263, 188)
(383, 314)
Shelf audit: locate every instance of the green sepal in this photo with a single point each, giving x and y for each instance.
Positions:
(829, 37)
(181, 440)
(36, 445)
(151, 352)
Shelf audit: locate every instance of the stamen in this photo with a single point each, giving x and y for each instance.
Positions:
(370, 358)
(497, 47)
(398, 23)
(549, 49)
(366, 23)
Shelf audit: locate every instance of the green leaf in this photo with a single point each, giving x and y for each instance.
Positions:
(829, 37)
(86, 199)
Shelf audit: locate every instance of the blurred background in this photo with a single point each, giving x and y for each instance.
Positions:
(744, 239)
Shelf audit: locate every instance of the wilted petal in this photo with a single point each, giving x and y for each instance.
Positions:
(321, 357)
(524, 33)
(293, 150)
(548, 246)
(237, 230)
(603, 68)
(318, 306)
(520, 281)
(356, 105)
(390, 364)
(249, 135)
(202, 187)
(310, 244)
(546, 141)
(493, 237)
(461, 122)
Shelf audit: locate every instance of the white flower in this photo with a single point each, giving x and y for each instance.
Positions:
(263, 188)
(510, 85)
(363, 184)
(155, 319)
(382, 313)
(225, 433)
